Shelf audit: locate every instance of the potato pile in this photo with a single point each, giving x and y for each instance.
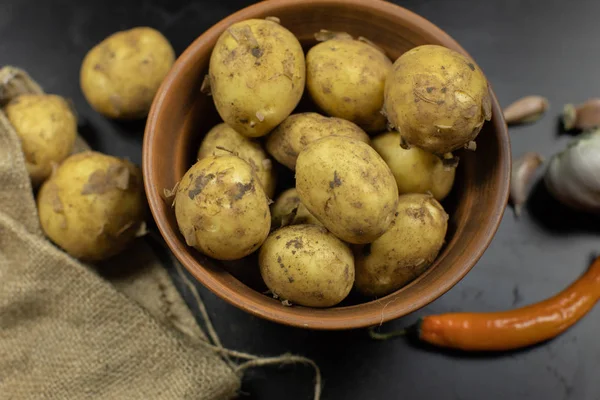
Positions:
(365, 211)
(90, 204)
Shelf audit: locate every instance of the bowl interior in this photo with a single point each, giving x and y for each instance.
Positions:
(181, 115)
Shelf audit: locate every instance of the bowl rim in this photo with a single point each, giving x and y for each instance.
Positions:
(280, 315)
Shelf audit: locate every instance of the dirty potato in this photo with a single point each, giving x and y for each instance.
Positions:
(47, 129)
(406, 250)
(437, 99)
(298, 130)
(348, 187)
(346, 79)
(224, 140)
(93, 205)
(289, 210)
(257, 74)
(221, 208)
(307, 265)
(120, 76)
(415, 170)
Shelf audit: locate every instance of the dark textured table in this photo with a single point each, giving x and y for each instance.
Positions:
(525, 47)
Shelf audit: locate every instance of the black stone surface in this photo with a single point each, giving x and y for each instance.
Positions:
(525, 47)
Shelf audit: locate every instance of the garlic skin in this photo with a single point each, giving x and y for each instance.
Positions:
(573, 176)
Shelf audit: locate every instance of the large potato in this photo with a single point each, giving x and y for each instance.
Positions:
(298, 130)
(93, 205)
(120, 76)
(348, 187)
(307, 265)
(346, 79)
(289, 210)
(257, 75)
(415, 170)
(224, 140)
(221, 208)
(407, 249)
(47, 128)
(437, 99)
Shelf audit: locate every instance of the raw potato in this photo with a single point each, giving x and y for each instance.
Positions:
(221, 208)
(120, 76)
(406, 250)
(348, 187)
(257, 75)
(298, 130)
(437, 99)
(346, 79)
(93, 205)
(415, 170)
(224, 140)
(47, 128)
(289, 210)
(307, 265)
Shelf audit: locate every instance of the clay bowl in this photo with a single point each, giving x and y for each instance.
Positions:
(181, 115)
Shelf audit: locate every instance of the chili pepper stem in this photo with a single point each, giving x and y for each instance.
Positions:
(412, 331)
(387, 335)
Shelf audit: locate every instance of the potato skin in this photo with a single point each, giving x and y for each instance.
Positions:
(47, 128)
(415, 170)
(346, 79)
(93, 205)
(120, 76)
(406, 250)
(221, 208)
(437, 99)
(307, 265)
(348, 187)
(222, 140)
(298, 130)
(257, 74)
(289, 210)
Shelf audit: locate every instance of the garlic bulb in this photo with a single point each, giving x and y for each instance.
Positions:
(573, 176)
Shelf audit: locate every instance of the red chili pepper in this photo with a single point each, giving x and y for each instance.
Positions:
(514, 329)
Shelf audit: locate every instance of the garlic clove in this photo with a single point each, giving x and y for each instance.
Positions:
(584, 117)
(526, 110)
(523, 171)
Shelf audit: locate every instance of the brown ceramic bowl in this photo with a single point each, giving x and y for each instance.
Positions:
(181, 115)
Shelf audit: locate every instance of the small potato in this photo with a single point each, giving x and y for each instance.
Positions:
(93, 205)
(346, 79)
(224, 140)
(257, 74)
(298, 130)
(120, 76)
(47, 128)
(348, 187)
(415, 170)
(289, 210)
(221, 208)
(437, 99)
(307, 265)
(406, 250)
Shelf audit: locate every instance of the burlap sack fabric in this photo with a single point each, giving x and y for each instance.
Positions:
(68, 333)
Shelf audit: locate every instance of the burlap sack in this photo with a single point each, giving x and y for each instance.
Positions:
(66, 332)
